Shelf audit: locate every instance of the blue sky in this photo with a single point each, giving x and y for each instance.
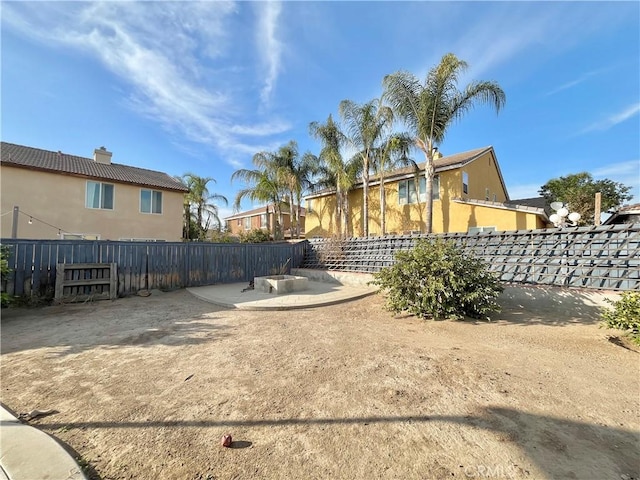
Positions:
(202, 86)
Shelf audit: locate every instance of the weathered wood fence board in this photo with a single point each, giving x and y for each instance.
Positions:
(83, 281)
(146, 265)
(604, 257)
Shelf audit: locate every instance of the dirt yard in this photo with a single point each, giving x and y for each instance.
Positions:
(146, 387)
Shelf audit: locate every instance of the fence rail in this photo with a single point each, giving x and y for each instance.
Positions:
(143, 265)
(604, 257)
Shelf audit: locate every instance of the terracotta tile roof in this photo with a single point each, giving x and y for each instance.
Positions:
(633, 208)
(261, 210)
(63, 163)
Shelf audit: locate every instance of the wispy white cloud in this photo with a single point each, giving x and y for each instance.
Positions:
(269, 45)
(632, 167)
(573, 83)
(627, 173)
(262, 129)
(171, 78)
(613, 119)
(511, 30)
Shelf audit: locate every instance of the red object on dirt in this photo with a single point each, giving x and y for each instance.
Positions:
(226, 440)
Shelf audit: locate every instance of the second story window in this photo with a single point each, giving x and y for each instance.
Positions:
(465, 182)
(150, 201)
(407, 190)
(99, 195)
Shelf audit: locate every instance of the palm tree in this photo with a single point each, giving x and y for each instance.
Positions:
(393, 153)
(334, 168)
(262, 186)
(198, 203)
(365, 125)
(294, 173)
(429, 109)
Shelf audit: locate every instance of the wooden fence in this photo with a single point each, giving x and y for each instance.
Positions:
(143, 265)
(604, 257)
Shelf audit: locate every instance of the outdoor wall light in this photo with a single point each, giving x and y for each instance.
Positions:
(559, 219)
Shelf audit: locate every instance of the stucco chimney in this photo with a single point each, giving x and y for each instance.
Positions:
(101, 155)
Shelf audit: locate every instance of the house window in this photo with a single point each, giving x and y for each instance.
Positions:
(309, 205)
(486, 194)
(239, 222)
(263, 220)
(407, 190)
(79, 236)
(99, 195)
(247, 223)
(150, 201)
(465, 182)
(473, 230)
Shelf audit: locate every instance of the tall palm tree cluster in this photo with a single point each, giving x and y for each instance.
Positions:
(279, 179)
(199, 209)
(364, 144)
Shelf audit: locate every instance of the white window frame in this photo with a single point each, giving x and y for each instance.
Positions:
(151, 203)
(101, 197)
(465, 183)
(247, 223)
(407, 194)
(79, 236)
(263, 220)
(436, 188)
(141, 240)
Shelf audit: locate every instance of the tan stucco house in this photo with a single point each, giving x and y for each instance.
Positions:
(469, 195)
(63, 196)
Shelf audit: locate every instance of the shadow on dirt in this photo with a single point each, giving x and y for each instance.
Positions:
(537, 305)
(131, 321)
(558, 447)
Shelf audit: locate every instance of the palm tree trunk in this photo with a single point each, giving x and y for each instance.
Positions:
(293, 219)
(383, 206)
(365, 198)
(428, 174)
(345, 213)
(338, 216)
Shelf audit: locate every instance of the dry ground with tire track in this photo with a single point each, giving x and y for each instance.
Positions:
(146, 387)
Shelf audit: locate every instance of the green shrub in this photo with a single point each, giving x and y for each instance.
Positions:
(4, 271)
(436, 279)
(255, 236)
(625, 315)
(222, 237)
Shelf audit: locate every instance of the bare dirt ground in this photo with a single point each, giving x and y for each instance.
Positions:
(146, 387)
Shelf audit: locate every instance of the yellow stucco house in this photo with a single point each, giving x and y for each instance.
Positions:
(55, 195)
(469, 195)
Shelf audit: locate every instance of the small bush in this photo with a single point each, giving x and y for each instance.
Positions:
(255, 236)
(625, 315)
(222, 237)
(4, 271)
(436, 279)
